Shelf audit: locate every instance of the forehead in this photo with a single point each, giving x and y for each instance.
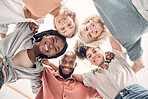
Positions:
(69, 56)
(91, 49)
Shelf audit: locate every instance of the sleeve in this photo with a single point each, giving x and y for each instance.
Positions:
(3, 28)
(36, 85)
(88, 79)
(10, 44)
(119, 54)
(135, 50)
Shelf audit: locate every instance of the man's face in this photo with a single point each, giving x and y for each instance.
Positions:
(68, 63)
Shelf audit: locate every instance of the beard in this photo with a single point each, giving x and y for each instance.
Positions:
(65, 76)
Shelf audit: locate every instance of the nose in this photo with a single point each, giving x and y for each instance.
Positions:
(51, 46)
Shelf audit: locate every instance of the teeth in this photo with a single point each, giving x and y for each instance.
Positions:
(62, 20)
(46, 47)
(66, 69)
(95, 29)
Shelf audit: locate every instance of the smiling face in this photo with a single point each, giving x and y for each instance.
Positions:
(68, 63)
(51, 45)
(95, 56)
(91, 30)
(65, 25)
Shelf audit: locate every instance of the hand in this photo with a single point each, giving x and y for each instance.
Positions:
(45, 61)
(109, 55)
(33, 27)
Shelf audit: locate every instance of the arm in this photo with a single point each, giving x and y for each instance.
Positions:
(3, 30)
(137, 65)
(115, 44)
(47, 62)
(78, 77)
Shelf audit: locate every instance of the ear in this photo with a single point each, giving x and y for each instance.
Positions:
(59, 62)
(76, 65)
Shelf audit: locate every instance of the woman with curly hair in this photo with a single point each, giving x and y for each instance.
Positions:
(20, 53)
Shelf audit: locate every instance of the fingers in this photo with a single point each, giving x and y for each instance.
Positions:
(109, 55)
(45, 61)
(33, 27)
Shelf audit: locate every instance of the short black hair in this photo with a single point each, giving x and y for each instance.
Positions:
(38, 37)
(80, 50)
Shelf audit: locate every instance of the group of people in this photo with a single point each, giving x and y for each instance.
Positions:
(24, 52)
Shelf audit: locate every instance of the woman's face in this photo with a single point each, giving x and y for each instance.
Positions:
(65, 25)
(95, 56)
(91, 30)
(51, 45)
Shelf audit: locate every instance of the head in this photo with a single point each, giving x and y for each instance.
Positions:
(66, 23)
(67, 64)
(93, 32)
(94, 55)
(52, 44)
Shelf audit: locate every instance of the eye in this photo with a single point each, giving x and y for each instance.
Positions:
(62, 28)
(56, 50)
(63, 61)
(69, 24)
(94, 52)
(89, 56)
(89, 35)
(86, 29)
(71, 62)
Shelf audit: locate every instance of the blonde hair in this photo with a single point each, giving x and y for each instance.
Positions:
(101, 38)
(72, 14)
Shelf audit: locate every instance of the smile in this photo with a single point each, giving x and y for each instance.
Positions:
(46, 47)
(62, 20)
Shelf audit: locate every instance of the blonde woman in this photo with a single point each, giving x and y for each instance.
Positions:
(93, 33)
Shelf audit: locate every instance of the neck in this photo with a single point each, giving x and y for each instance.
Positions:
(56, 11)
(36, 49)
(103, 65)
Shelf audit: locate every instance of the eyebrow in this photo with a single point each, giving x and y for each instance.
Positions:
(71, 27)
(58, 49)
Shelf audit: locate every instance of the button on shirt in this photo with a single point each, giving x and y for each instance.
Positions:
(109, 81)
(55, 86)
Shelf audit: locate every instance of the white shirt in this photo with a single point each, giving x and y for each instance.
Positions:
(11, 12)
(142, 7)
(109, 81)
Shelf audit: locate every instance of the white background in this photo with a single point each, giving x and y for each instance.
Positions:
(83, 9)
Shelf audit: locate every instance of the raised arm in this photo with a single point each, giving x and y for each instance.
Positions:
(78, 77)
(47, 62)
(137, 65)
(115, 44)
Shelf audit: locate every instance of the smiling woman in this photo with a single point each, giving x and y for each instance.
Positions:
(21, 54)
